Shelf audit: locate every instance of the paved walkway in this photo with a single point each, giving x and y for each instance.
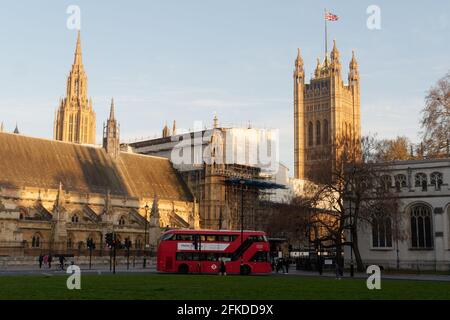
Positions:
(151, 268)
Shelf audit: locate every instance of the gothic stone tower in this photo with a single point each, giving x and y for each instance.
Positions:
(75, 118)
(325, 110)
(111, 138)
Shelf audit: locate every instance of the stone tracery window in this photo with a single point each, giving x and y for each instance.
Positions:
(436, 180)
(386, 181)
(400, 181)
(381, 232)
(122, 221)
(421, 236)
(421, 181)
(310, 134)
(318, 133)
(36, 241)
(75, 218)
(325, 132)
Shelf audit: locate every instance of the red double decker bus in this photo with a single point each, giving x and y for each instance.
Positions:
(200, 251)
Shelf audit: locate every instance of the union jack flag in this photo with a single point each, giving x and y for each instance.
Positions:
(331, 17)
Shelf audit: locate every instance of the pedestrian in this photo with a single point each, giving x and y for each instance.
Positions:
(286, 265)
(61, 261)
(338, 270)
(320, 266)
(41, 259)
(223, 268)
(45, 259)
(50, 259)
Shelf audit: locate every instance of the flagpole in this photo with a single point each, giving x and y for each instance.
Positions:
(326, 36)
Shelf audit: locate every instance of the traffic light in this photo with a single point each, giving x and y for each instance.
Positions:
(109, 240)
(90, 244)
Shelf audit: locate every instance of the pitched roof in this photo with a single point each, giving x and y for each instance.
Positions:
(41, 163)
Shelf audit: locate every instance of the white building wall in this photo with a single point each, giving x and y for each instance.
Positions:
(402, 251)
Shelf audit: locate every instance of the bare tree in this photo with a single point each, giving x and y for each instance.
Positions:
(288, 220)
(436, 119)
(355, 193)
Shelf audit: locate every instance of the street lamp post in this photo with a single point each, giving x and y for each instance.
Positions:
(352, 269)
(145, 235)
(242, 182)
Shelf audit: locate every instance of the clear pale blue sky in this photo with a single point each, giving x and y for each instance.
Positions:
(186, 60)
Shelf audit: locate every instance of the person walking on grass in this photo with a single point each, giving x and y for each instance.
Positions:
(286, 265)
(222, 268)
(61, 261)
(338, 270)
(41, 259)
(45, 259)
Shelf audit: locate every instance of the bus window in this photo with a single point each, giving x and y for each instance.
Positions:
(185, 237)
(260, 256)
(184, 256)
(167, 236)
(211, 238)
(196, 256)
(225, 238)
(225, 257)
(211, 256)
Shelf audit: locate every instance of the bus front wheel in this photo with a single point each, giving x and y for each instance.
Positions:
(245, 270)
(183, 268)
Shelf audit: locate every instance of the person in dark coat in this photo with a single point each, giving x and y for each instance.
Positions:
(41, 259)
(222, 268)
(61, 261)
(286, 265)
(338, 270)
(50, 259)
(320, 265)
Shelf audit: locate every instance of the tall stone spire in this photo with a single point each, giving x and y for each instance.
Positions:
(174, 127)
(112, 110)
(78, 59)
(111, 134)
(335, 60)
(75, 117)
(353, 75)
(166, 131)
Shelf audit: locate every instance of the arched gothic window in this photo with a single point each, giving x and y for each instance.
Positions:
(325, 132)
(400, 181)
(386, 182)
(75, 218)
(122, 221)
(421, 229)
(318, 133)
(436, 180)
(36, 241)
(421, 180)
(310, 134)
(381, 232)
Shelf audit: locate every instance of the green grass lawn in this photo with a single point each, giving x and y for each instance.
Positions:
(190, 287)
